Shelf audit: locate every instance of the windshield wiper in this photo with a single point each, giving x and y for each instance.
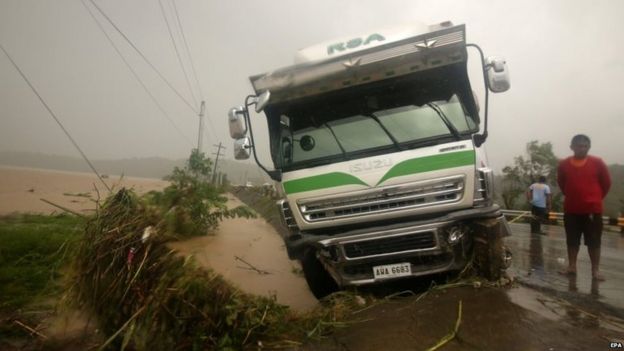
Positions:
(394, 141)
(445, 119)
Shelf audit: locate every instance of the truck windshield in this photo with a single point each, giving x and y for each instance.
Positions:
(338, 128)
(321, 140)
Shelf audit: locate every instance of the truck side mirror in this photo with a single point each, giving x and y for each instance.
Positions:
(236, 119)
(241, 148)
(497, 74)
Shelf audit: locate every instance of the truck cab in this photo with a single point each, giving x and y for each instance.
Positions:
(377, 149)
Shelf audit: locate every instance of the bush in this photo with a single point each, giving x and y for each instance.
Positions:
(192, 205)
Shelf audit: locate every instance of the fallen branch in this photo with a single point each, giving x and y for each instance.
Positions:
(251, 267)
(31, 330)
(450, 336)
(62, 208)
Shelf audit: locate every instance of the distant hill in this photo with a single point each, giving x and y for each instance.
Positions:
(151, 167)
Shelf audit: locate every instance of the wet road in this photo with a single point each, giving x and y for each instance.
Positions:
(545, 311)
(538, 259)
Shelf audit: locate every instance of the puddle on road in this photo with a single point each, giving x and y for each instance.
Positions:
(537, 259)
(257, 245)
(533, 301)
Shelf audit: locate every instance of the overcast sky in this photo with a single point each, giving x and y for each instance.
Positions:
(566, 61)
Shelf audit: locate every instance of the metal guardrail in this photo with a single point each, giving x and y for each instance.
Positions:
(618, 221)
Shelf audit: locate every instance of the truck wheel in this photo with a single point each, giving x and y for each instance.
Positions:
(319, 281)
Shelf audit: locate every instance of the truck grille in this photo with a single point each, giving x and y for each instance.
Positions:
(383, 200)
(417, 241)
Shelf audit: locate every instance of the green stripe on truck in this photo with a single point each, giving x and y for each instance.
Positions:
(430, 163)
(407, 167)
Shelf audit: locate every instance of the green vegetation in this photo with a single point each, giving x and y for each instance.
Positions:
(539, 160)
(191, 204)
(33, 251)
(145, 296)
(263, 201)
(33, 248)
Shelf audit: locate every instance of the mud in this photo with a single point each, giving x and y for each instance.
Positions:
(250, 254)
(491, 319)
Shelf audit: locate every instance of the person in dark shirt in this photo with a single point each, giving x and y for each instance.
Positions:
(584, 181)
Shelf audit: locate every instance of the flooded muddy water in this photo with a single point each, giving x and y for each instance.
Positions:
(251, 254)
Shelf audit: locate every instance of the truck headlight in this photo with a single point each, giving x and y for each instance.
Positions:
(483, 187)
(454, 234)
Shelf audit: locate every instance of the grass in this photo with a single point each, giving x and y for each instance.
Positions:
(32, 252)
(145, 296)
(263, 204)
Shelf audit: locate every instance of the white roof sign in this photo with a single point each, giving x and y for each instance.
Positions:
(349, 44)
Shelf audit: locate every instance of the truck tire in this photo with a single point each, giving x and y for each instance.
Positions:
(319, 281)
(491, 259)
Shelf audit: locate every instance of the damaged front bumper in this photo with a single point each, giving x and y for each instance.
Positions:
(428, 246)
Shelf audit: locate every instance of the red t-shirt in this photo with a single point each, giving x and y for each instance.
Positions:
(584, 184)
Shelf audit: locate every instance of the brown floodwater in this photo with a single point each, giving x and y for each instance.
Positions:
(251, 254)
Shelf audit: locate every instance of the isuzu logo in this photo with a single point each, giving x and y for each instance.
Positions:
(370, 165)
(354, 43)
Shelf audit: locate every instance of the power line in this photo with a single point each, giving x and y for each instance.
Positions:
(201, 94)
(188, 51)
(175, 47)
(142, 56)
(136, 76)
(56, 119)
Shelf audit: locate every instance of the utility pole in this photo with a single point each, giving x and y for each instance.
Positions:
(200, 135)
(218, 153)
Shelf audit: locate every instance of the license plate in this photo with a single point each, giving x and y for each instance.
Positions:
(392, 270)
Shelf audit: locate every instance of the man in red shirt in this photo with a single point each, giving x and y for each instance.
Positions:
(584, 181)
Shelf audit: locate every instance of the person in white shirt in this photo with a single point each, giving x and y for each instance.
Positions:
(540, 197)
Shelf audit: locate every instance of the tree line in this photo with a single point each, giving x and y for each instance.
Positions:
(539, 160)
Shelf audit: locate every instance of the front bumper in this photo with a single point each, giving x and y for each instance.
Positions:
(431, 246)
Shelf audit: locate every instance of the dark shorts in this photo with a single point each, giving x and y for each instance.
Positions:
(539, 212)
(587, 225)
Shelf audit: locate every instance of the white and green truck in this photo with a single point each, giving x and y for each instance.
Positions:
(377, 150)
